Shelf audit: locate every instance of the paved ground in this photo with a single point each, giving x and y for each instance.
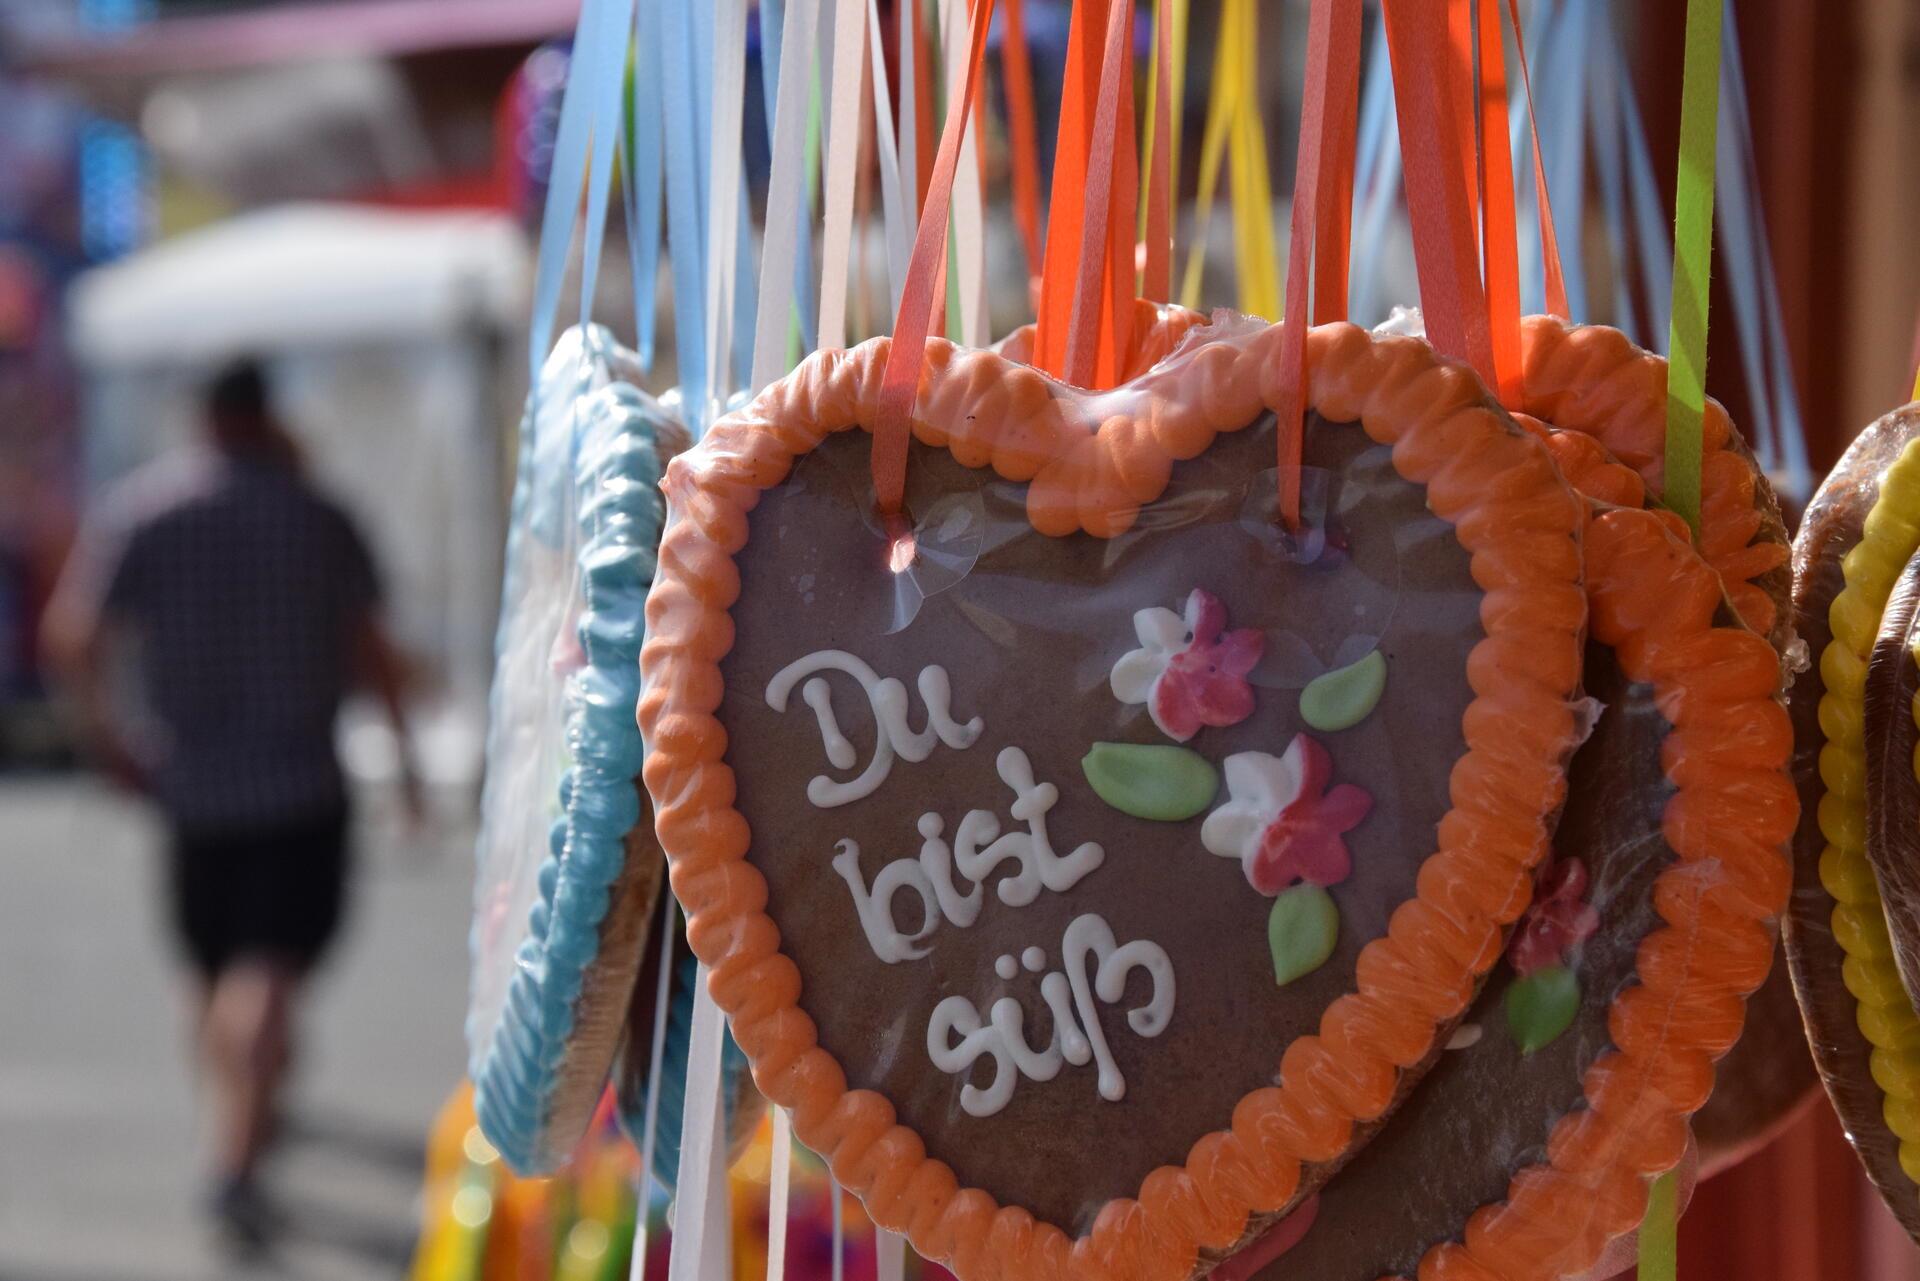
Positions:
(99, 1177)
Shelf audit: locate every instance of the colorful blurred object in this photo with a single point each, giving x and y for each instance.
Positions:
(482, 1223)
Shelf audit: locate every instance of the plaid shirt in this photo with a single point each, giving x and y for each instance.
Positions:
(242, 590)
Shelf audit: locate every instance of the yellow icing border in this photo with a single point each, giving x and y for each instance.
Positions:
(1890, 537)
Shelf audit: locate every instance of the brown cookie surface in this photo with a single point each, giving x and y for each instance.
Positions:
(992, 832)
(1055, 616)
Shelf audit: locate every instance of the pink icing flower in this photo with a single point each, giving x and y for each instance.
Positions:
(1189, 671)
(1559, 920)
(1282, 820)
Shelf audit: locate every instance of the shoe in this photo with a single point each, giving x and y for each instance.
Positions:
(244, 1217)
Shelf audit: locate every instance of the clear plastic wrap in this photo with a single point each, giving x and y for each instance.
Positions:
(1099, 876)
(1857, 536)
(568, 874)
(1668, 866)
(1678, 805)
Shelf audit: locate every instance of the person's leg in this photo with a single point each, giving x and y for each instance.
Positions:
(249, 1039)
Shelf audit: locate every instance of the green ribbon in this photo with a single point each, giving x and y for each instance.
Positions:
(1659, 1231)
(1692, 259)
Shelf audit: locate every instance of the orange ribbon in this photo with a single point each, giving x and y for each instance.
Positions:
(1323, 165)
(1446, 252)
(1017, 69)
(900, 381)
(1156, 281)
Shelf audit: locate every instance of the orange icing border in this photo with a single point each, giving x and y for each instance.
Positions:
(1593, 380)
(1590, 381)
(1653, 601)
(1090, 462)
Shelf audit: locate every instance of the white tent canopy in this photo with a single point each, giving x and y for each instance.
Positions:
(301, 276)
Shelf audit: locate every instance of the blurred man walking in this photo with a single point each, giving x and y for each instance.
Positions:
(247, 604)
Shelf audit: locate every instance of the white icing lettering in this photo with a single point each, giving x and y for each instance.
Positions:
(892, 735)
(1039, 866)
(937, 860)
(875, 905)
(931, 874)
(1096, 974)
(819, 696)
(1090, 936)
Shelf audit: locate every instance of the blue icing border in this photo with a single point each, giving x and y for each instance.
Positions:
(616, 474)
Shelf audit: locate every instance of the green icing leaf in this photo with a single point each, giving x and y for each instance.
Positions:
(1301, 931)
(1341, 699)
(1541, 1006)
(1156, 781)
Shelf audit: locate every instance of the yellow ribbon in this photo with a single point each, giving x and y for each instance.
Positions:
(1235, 133)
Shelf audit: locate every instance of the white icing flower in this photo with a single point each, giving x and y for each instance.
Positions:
(1285, 819)
(1189, 671)
(1259, 786)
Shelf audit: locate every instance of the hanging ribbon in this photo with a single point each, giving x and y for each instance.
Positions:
(895, 207)
(726, 195)
(1258, 260)
(1016, 70)
(900, 380)
(1333, 217)
(786, 184)
(1072, 155)
(1156, 282)
(1780, 443)
(650, 1124)
(1491, 187)
(1692, 258)
(1499, 237)
(700, 1236)
(1233, 126)
(1659, 1232)
(1377, 164)
(1556, 282)
(843, 154)
(906, 52)
(1648, 203)
(889, 1255)
(1445, 253)
(968, 276)
(642, 160)
(583, 153)
(1327, 109)
(681, 85)
(779, 1194)
(1091, 339)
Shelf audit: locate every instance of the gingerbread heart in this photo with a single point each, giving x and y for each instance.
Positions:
(1606, 398)
(1544, 1113)
(1858, 534)
(1092, 886)
(1647, 928)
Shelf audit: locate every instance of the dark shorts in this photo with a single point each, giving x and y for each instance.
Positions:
(272, 892)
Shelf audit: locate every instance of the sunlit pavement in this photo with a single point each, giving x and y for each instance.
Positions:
(101, 1175)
